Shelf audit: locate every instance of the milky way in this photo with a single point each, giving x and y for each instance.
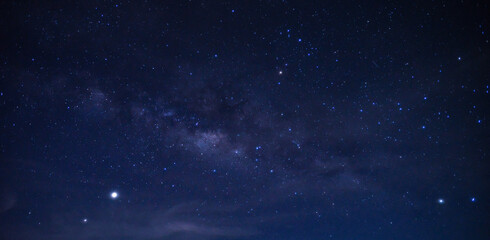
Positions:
(244, 120)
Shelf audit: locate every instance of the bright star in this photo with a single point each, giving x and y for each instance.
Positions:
(440, 201)
(84, 220)
(114, 195)
(280, 72)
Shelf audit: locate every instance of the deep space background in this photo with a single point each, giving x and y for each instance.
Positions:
(262, 120)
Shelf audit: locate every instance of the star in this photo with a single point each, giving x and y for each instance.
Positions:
(440, 201)
(280, 72)
(84, 220)
(114, 195)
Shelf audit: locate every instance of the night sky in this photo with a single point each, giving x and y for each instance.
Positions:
(156, 120)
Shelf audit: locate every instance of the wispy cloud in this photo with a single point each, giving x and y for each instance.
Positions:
(177, 222)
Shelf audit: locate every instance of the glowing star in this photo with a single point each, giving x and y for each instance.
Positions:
(440, 201)
(280, 72)
(114, 195)
(84, 220)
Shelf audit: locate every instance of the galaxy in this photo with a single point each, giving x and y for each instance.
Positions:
(263, 120)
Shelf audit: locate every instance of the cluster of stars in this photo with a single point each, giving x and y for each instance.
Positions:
(209, 110)
(442, 201)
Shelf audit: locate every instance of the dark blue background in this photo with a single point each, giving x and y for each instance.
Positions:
(244, 120)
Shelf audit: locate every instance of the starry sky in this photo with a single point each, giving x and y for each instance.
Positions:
(155, 120)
